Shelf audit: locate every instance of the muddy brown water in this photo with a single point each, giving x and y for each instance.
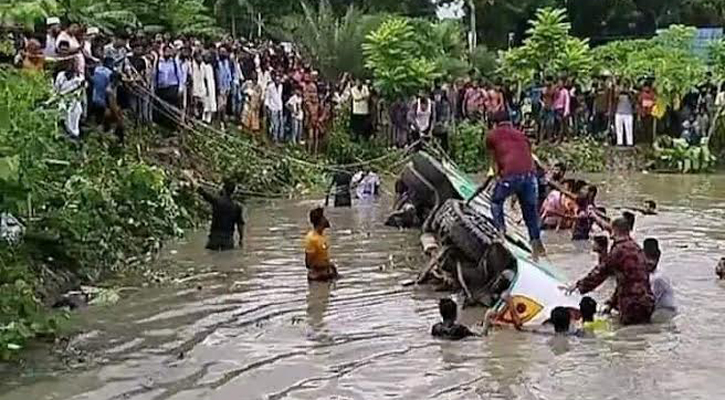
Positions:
(247, 325)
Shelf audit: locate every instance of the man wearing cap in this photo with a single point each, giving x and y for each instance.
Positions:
(54, 29)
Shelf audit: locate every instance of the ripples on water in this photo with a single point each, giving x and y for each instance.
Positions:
(257, 330)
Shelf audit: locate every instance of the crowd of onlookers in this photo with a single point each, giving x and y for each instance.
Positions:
(267, 89)
(259, 86)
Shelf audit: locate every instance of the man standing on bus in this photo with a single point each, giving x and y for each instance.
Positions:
(516, 175)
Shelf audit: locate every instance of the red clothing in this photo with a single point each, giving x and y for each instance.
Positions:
(628, 264)
(647, 101)
(548, 97)
(511, 149)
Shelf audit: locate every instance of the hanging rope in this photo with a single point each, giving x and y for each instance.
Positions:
(176, 115)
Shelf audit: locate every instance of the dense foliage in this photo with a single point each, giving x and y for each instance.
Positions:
(580, 155)
(182, 16)
(677, 156)
(333, 44)
(406, 55)
(467, 147)
(394, 54)
(85, 211)
(667, 58)
(549, 50)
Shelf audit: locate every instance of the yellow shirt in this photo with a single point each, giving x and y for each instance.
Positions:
(316, 250)
(598, 325)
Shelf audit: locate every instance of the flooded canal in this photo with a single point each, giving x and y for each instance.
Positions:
(249, 326)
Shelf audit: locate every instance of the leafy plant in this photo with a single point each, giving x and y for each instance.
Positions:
(25, 13)
(667, 58)
(333, 44)
(467, 147)
(483, 61)
(581, 154)
(677, 155)
(716, 58)
(181, 16)
(399, 65)
(548, 50)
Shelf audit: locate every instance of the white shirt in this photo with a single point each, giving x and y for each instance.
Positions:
(360, 100)
(720, 99)
(64, 86)
(64, 36)
(49, 50)
(662, 290)
(197, 80)
(294, 104)
(273, 97)
(367, 187)
(422, 117)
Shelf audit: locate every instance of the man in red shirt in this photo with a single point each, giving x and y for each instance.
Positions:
(514, 163)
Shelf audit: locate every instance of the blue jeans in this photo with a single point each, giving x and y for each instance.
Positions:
(275, 125)
(525, 186)
(296, 130)
(237, 99)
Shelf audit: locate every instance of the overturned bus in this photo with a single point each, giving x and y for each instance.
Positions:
(467, 253)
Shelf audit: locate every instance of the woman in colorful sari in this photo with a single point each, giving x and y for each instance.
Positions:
(252, 103)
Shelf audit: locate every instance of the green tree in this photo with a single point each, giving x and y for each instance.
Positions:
(667, 58)
(333, 44)
(397, 61)
(444, 43)
(548, 50)
(410, 8)
(182, 16)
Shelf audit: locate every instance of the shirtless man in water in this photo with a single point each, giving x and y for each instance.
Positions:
(227, 214)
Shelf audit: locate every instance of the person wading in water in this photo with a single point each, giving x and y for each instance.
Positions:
(514, 163)
(627, 262)
(341, 182)
(226, 215)
(317, 257)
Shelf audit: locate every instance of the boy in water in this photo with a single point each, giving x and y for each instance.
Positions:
(649, 208)
(561, 319)
(584, 220)
(588, 307)
(630, 219)
(720, 269)
(449, 329)
(317, 258)
(661, 286)
(600, 247)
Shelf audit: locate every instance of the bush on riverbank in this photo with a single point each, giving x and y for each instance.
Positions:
(468, 148)
(579, 154)
(86, 208)
(95, 209)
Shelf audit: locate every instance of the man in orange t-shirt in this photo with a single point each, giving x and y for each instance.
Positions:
(317, 257)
